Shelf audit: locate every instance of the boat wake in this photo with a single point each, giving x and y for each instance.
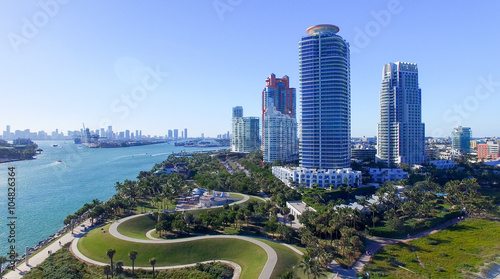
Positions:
(153, 155)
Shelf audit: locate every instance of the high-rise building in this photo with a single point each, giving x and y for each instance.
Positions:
(245, 132)
(325, 102)
(185, 133)
(279, 92)
(401, 133)
(325, 99)
(460, 140)
(170, 134)
(127, 134)
(176, 133)
(279, 126)
(238, 111)
(279, 138)
(109, 132)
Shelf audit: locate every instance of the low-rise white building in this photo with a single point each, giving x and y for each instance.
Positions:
(323, 178)
(298, 207)
(383, 175)
(443, 164)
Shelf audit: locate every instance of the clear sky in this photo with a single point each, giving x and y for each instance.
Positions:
(158, 65)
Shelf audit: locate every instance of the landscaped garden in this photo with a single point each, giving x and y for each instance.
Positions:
(249, 256)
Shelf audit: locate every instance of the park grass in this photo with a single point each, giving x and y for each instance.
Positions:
(236, 196)
(451, 253)
(249, 256)
(137, 227)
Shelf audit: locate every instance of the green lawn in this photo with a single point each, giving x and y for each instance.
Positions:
(137, 227)
(462, 248)
(249, 256)
(236, 196)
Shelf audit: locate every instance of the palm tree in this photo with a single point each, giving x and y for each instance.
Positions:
(132, 255)
(2, 261)
(287, 275)
(311, 267)
(306, 264)
(152, 262)
(111, 253)
(374, 210)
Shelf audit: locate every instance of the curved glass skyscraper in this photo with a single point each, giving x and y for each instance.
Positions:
(325, 99)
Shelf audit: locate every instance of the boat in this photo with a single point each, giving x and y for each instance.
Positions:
(55, 145)
(59, 161)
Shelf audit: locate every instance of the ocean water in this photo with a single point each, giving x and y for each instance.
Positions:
(47, 190)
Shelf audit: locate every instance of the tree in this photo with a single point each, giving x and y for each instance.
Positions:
(119, 267)
(311, 267)
(111, 253)
(374, 209)
(152, 262)
(107, 271)
(290, 218)
(306, 264)
(2, 261)
(287, 275)
(132, 255)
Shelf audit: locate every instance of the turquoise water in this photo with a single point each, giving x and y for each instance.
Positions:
(47, 190)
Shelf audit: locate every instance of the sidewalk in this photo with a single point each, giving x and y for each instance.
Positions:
(44, 253)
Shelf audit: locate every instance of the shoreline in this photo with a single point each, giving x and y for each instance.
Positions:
(63, 230)
(7, 160)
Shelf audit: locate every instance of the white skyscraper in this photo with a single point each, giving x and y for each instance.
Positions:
(401, 133)
(245, 132)
(281, 142)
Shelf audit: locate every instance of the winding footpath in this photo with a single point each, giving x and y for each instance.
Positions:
(376, 243)
(44, 253)
(272, 257)
(113, 230)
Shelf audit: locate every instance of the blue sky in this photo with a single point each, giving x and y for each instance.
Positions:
(159, 65)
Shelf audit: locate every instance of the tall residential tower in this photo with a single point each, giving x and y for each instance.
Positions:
(279, 126)
(460, 140)
(400, 131)
(245, 132)
(325, 101)
(324, 71)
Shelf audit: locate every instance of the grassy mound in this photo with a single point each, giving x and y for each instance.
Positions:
(249, 256)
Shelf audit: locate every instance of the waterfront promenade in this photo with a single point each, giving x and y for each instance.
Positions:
(42, 254)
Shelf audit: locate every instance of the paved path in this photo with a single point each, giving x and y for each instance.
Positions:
(272, 257)
(74, 250)
(375, 243)
(44, 253)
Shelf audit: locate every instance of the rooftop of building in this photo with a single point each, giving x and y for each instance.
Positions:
(321, 28)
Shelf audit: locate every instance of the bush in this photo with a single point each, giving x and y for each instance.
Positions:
(432, 242)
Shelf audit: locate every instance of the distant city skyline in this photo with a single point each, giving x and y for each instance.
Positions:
(155, 64)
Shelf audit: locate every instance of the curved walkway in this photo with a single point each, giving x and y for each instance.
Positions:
(272, 257)
(376, 243)
(74, 250)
